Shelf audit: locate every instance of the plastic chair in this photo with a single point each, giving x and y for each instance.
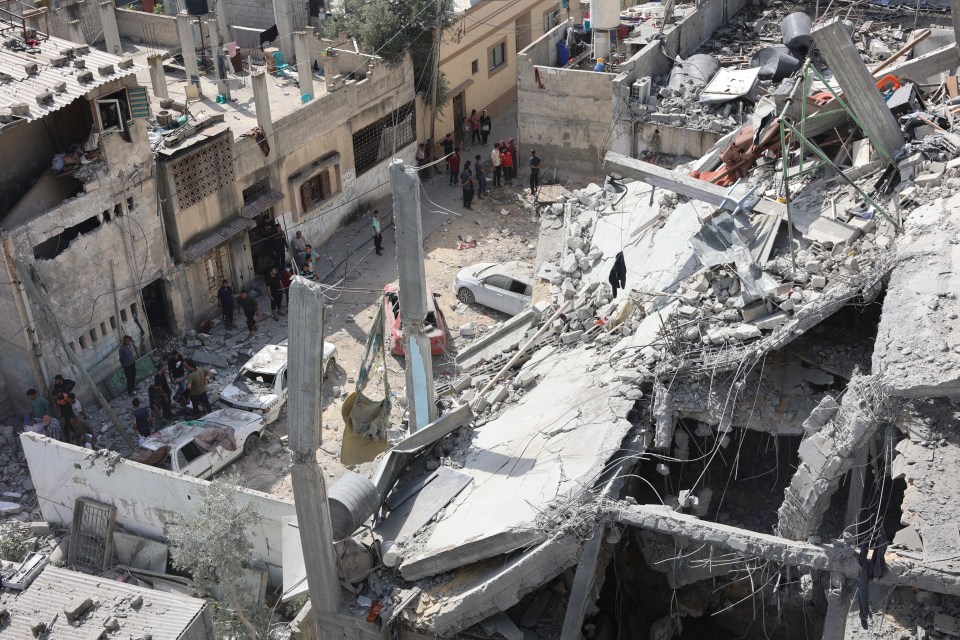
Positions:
(280, 61)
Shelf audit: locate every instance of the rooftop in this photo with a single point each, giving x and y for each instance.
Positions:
(41, 74)
(140, 612)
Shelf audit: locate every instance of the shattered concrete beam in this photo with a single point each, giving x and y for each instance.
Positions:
(492, 591)
(929, 64)
(582, 586)
(437, 562)
(841, 559)
(858, 84)
(681, 183)
(825, 458)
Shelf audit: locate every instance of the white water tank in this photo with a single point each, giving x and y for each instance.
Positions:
(604, 14)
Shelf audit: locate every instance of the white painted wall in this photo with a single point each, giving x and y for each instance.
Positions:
(146, 498)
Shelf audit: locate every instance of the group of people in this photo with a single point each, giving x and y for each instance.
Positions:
(62, 419)
(472, 177)
(187, 386)
(475, 129)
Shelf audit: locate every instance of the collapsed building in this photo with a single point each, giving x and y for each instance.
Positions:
(731, 412)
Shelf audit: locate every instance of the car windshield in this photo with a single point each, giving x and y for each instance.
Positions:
(394, 299)
(254, 381)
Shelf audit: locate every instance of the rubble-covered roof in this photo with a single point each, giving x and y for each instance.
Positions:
(140, 613)
(52, 73)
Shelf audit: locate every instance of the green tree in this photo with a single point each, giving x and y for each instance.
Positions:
(390, 28)
(212, 543)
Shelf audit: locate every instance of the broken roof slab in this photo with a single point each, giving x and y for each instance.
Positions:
(917, 349)
(552, 444)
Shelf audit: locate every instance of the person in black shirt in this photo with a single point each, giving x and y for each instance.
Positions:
(534, 172)
(249, 306)
(275, 292)
(162, 388)
(226, 301)
(178, 375)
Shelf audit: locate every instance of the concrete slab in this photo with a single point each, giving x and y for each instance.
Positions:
(420, 508)
(825, 230)
(536, 451)
(917, 350)
(140, 553)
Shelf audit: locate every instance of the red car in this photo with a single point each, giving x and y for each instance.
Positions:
(434, 324)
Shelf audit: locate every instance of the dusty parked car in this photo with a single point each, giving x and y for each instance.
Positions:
(261, 384)
(506, 286)
(434, 324)
(201, 448)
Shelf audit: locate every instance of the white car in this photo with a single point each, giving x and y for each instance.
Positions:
(506, 287)
(200, 448)
(261, 385)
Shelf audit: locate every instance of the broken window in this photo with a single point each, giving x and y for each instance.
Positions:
(377, 142)
(52, 247)
(319, 188)
(113, 112)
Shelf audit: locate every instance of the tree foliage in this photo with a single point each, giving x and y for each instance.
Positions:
(212, 543)
(390, 28)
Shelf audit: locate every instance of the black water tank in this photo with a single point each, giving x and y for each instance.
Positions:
(196, 7)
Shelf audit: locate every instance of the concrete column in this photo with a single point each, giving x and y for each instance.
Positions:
(261, 104)
(283, 14)
(76, 32)
(171, 7)
(413, 287)
(189, 48)
(310, 493)
(859, 88)
(838, 603)
(955, 11)
(304, 67)
(111, 34)
(219, 9)
(219, 60)
(157, 79)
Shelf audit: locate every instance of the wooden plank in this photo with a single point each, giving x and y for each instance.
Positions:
(952, 86)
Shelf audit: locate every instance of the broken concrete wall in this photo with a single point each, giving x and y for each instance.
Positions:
(826, 456)
(657, 138)
(146, 498)
(95, 297)
(148, 28)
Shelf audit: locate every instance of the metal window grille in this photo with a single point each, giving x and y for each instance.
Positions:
(375, 143)
(90, 541)
(256, 190)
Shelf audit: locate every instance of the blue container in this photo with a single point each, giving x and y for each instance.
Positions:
(563, 54)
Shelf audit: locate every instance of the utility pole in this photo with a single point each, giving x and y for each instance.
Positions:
(58, 334)
(436, 73)
(305, 357)
(413, 294)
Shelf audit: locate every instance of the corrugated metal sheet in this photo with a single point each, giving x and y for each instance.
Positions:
(164, 616)
(29, 77)
(261, 204)
(230, 230)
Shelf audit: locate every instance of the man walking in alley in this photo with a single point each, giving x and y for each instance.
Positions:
(377, 232)
(453, 162)
(466, 183)
(249, 307)
(534, 172)
(128, 360)
(226, 300)
(485, 124)
(448, 145)
(197, 382)
(495, 163)
(275, 292)
(481, 178)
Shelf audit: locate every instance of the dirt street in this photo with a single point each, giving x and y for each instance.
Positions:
(504, 230)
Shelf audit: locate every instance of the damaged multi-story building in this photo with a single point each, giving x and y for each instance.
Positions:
(127, 207)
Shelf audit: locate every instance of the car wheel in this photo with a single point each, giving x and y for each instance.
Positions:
(466, 296)
(252, 445)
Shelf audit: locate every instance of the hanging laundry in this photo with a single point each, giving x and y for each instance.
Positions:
(618, 274)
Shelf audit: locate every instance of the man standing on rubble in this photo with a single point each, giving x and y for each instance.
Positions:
(226, 301)
(142, 420)
(249, 306)
(128, 360)
(534, 172)
(275, 292)
(178, 375)
(197, 383)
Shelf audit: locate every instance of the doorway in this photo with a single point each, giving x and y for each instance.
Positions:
(156, 309)
(459, 113)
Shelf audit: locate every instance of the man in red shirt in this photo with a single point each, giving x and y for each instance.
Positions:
(454, 163)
